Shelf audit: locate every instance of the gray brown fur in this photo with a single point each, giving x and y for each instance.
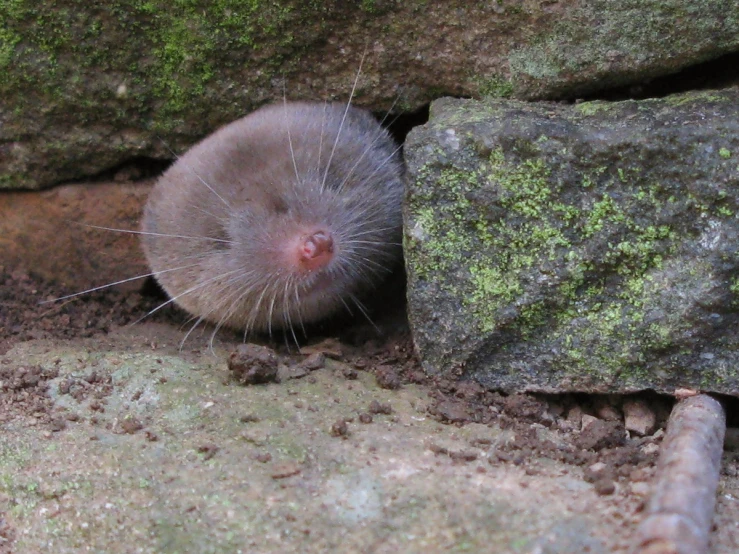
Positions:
(239, 186)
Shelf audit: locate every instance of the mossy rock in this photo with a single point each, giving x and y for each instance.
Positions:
(590, 247)
(88, 86)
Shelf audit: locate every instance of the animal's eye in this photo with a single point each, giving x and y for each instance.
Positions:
(218, 232)
(279, 205)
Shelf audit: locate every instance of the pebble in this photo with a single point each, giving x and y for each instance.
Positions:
(639, 418)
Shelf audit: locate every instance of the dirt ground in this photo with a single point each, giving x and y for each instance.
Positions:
(119, 437)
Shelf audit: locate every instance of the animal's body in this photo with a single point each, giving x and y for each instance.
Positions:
(280, 218)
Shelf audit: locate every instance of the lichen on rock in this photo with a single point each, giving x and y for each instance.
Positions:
(89, 86)
(589, 247)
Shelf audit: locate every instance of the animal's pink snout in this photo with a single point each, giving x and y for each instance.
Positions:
(315, 250)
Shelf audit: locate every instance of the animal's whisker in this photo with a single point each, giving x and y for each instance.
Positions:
(221, 301)
(287, 313)
(151, 234)
(289, 136)
(122, 281)
(271, 313)
(191, 170)
(343, 119)
(372, 242)
(373, 231)
(379, 136)
(381, 165)
(320, 140)
(368, 263)
(300, 313)
(234, 305)
(348, 309)
(255, 311)
(198, 321)
(175, 298)
(363, 310)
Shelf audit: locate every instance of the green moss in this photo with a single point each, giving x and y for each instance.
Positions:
(9, 37)
(494, 86)
(487, 230)
(168, 54)
(591, 108)
(447, 233)
(602, 212)
(725, 153)
(569, 54)
(369, 6)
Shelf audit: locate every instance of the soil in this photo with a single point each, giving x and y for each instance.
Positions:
(548, 435)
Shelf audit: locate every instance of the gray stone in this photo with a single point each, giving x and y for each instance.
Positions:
(589, 248)
(639, 418)
(86, 87)
(201, 477)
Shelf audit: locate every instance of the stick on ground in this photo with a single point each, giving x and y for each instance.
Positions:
(680, 511)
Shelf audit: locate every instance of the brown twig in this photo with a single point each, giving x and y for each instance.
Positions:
(680, 511)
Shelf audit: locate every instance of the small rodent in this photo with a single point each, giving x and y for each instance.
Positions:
(280, 218)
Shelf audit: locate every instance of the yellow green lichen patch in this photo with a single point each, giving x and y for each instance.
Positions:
(494, 86)
(553, 240)
(534, 229)
(592, 108)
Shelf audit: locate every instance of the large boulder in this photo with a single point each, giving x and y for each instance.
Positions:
(588, 247)
(88, 86)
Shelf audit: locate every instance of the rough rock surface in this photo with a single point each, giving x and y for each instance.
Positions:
(49, 233)
(119, 438)
(158, 447)
(590, 247)
(88, 86)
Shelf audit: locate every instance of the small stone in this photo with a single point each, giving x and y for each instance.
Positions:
(328, 347)
(340, 429)
(501, 456)
(252, 364)
(376, 407)
(649, 449)
(639, 418)
(607, 411)
(256, 437)
(596, 472)
(315, 361)
(463, 455)
(58, 424)
(601, 434)
(452, 411)
(387, 377)
(365, 418)
(555, 409)
(574, 417)
(130, 425)
(263, 457)
(284, 470)
(682, 394)
(605, 487)
(639, 474)
(640, 488)
(208, 451)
